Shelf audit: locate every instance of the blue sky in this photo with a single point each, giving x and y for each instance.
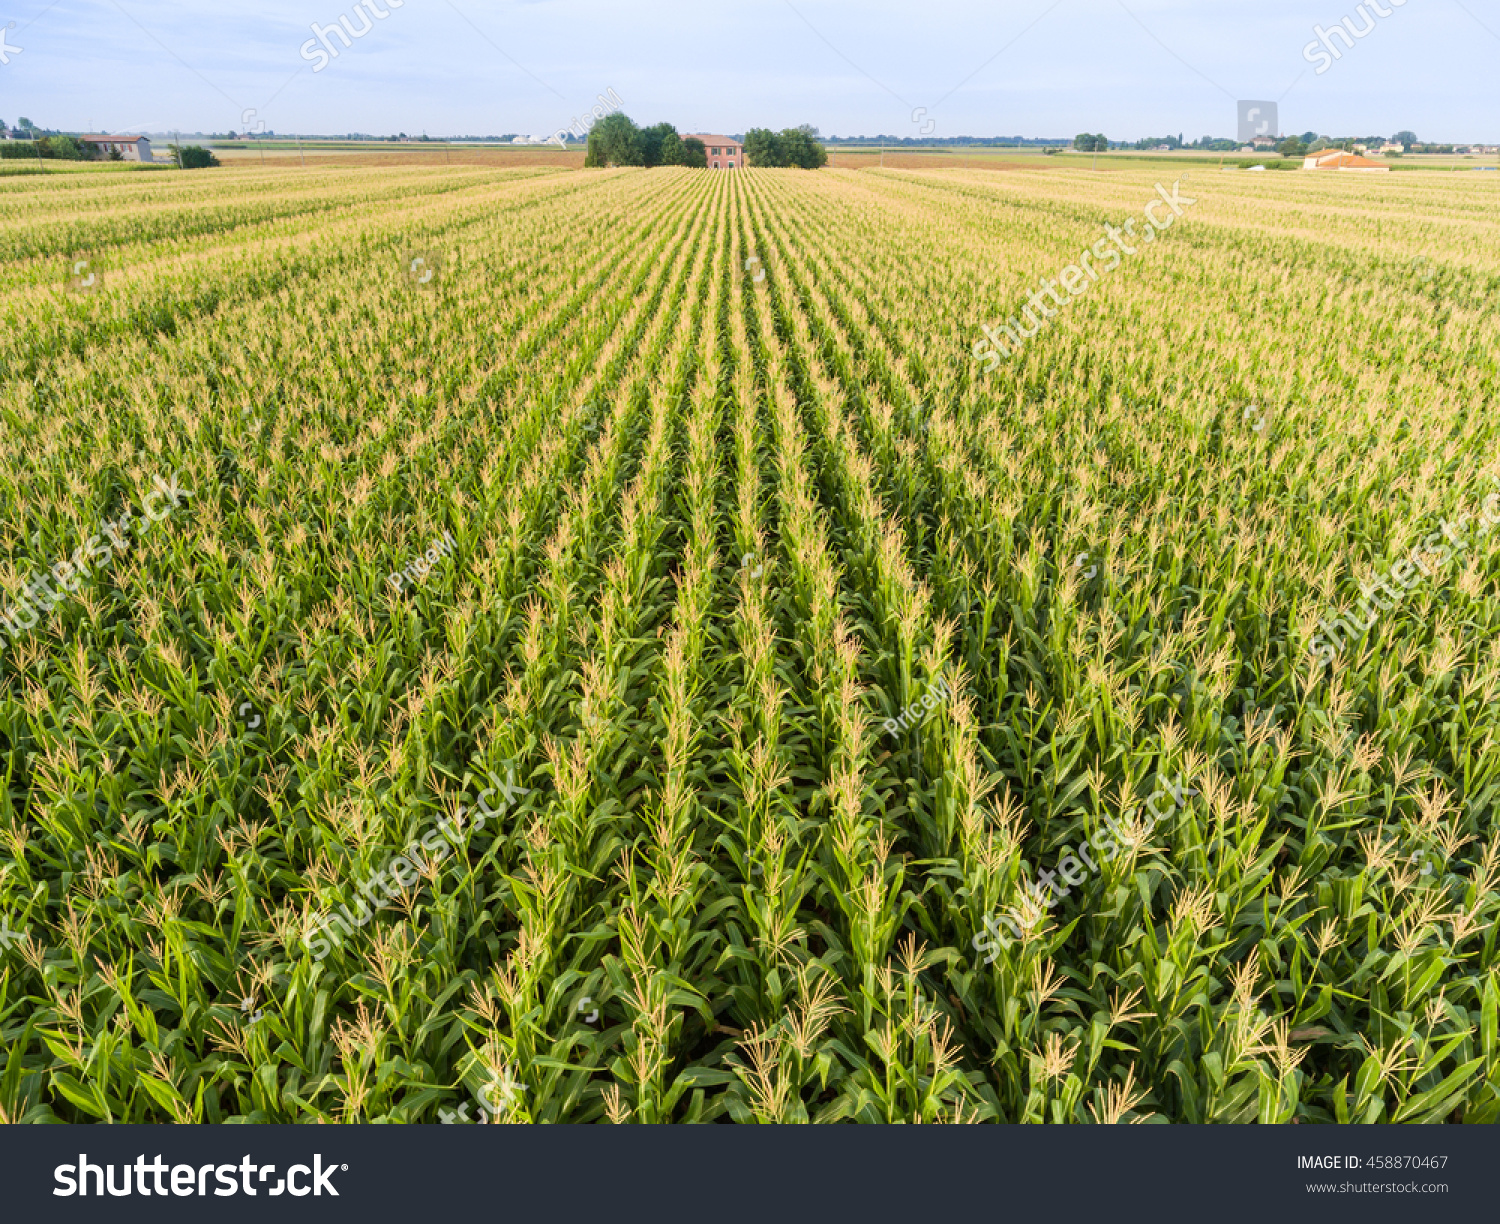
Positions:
(1127, 68)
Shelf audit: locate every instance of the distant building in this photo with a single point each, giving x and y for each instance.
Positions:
(1265, 142)
(130, 148)
(1337, 159)
(1388, 147)
(724, 152)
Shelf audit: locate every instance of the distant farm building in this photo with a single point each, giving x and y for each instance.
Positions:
(1337, 159)
(724, 152)
(130, 148)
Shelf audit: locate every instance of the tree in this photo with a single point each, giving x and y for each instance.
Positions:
(797, 146)
(194, 157)
(64, 148)
(762, 148)
(1308, 137)
(1088, 142)
(1291, 147)
(676, 151)
(1405, 139)
(654, 146)
(671, 152)
(614, 141)
(803, 148)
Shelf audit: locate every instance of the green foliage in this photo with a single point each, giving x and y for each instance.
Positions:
(716, 522)
(1291, 147)
(652, 142)
(70, 148)
(793, 147)
(194, 157)
(615, 141)
(675, 151)
(57, 148)
(1089, 142)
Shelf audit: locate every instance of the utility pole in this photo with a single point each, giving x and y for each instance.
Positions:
(178, 147)
(299, 152)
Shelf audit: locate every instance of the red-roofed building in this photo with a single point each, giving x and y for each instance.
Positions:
(724, 152)
(1336, 159)
(130, 148)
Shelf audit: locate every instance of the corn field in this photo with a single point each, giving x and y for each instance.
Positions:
(605, 637)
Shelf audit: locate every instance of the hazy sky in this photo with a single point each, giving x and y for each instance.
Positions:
(1127, 68)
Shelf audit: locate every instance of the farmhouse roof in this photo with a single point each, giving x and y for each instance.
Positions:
(1337, 159)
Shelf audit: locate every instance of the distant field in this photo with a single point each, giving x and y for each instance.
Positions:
(937, 159)
(355, 153)
(598, 646)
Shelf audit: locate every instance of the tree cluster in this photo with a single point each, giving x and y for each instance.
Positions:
(194, 157)
(799, 147)
(1089, 142)
(616, 141)
(60, 148)
(1172, 142)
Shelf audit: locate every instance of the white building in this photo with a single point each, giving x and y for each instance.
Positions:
(130, 148)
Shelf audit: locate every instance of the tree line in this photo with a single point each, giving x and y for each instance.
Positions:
(616, 140)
